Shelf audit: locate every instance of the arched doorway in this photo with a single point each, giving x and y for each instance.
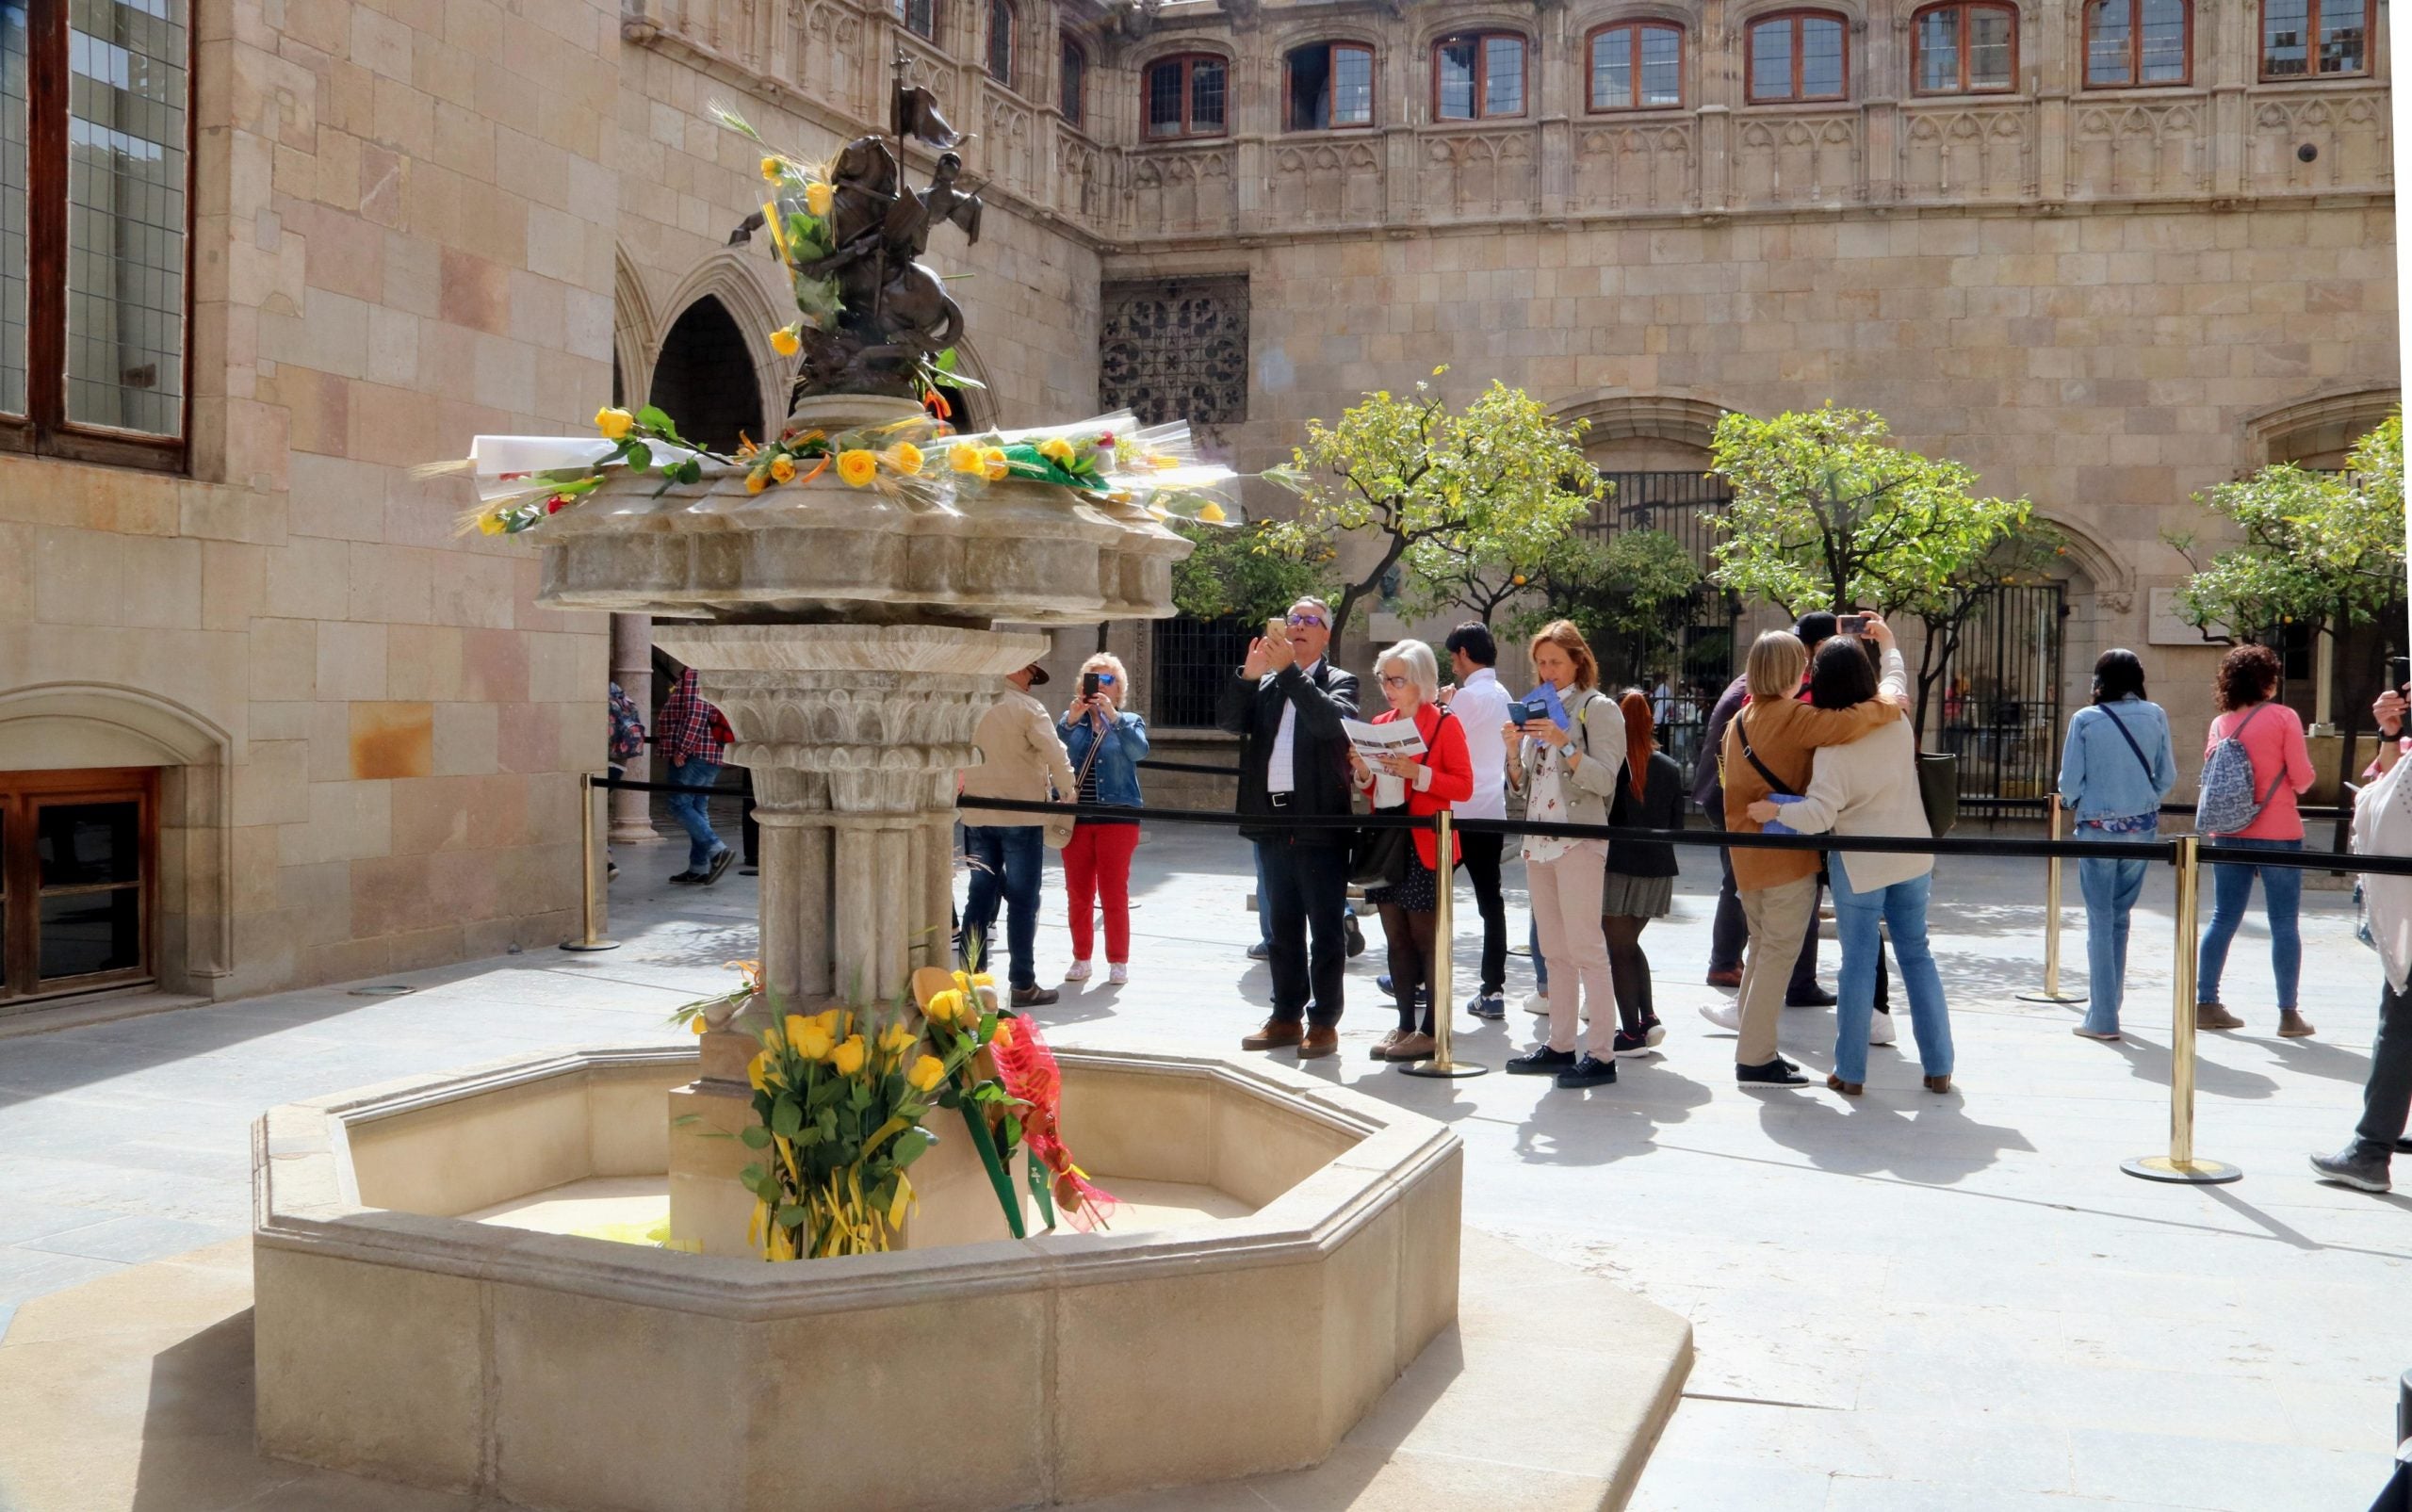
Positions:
(704, 378)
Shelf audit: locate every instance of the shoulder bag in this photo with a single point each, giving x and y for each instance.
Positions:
(1379, 858)
(1059, 826)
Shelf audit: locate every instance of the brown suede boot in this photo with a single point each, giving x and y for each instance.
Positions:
(1278, 1033)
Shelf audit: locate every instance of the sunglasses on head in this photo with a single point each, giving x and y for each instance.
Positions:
(1301, 620)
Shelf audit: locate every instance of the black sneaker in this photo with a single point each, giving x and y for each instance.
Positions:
(1591, 1071)
(1813, 998)
(1540, 1060)
(687, 879)
(2350, 1167)
(721, 858)
(1652, 1030)
(1630, 1042)
(1487, 1005)
(1776, 1073)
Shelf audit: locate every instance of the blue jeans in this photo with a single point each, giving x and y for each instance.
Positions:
(1899, 909)
(1008, 860)
(2281, 900)
(2110, 889)
(687, 809)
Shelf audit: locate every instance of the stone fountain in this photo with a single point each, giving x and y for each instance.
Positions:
(1287, 1248)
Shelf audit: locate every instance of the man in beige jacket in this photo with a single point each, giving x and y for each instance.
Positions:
(1019, 758)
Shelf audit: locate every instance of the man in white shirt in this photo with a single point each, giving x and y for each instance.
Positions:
(1481, 704)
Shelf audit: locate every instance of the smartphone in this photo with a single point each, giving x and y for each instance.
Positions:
(2398, 671)
(1851, 624)
(1521, 713)
(1088, 685)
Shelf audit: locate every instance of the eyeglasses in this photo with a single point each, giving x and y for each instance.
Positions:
(1389, 680)
(1105, 679)
(1299, 622)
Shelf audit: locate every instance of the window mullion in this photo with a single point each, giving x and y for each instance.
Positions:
(46, 217)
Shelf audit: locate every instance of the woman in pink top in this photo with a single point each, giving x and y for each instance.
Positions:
(2272, 736)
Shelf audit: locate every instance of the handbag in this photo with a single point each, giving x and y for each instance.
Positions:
(1059, 826)
(1377, 858)
(1939, 790)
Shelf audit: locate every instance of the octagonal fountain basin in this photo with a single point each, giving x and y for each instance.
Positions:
(1285, 1249)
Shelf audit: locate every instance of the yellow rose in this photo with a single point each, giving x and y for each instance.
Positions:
(857, 466)
(1057, 450)
(697, 1024)
(849, 1057)
(793, 1025)
(834, 1022)
(964, 457)
(814, 1044)
(996, 463)
(944, 1007)
(785, 342)
(771, 170)
(783, 469)
(759, 480)
(904, 457)
(613, 423)
(927, 1072)
(757, 1074)
(782, 1242)
(817, 196)
(1211, 513)
(492, 524)
(896, 1038)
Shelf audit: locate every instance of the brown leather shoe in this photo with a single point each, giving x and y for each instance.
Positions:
(2293, 1025)
(1381, 1046)
(1939, 1084)
(1416, 1047)
(1849, 1089)
(1731, 978)
(1321, 1040)
(2215, 1015)
(1278, 1033)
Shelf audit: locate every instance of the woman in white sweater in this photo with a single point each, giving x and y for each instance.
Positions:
(1870, 787)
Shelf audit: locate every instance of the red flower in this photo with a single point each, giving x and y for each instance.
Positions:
(557, 503)
(1106, 440)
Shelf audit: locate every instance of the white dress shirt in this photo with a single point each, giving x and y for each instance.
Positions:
(1281, 767)
(1481, 704)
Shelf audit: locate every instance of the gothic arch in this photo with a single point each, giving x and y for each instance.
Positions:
(69, 725)
(2107, 572)
(745, 286)
(2327, 422)
(1680, 419)
(634, 331)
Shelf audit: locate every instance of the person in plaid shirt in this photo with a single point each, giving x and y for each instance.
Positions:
(695, 736)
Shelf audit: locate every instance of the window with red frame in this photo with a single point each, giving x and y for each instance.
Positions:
(1636, 66)
(78, 863)
(1963, 49)
(1478, 77)
(2131, 42)
(2315, 39)
(1330, 85)
(1185, 95)
(1799, 54)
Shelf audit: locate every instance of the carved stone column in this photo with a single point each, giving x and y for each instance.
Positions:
(632, 814)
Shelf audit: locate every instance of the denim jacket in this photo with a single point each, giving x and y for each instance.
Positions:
(1126, 745)
(2101, 778)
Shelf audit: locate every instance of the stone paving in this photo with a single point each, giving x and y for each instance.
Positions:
(1911, 1301)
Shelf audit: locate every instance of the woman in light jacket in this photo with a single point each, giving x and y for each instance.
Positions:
(1567, 776)
(2116, 768)
(1422, 786)
(1870, 787)
(1096, 859)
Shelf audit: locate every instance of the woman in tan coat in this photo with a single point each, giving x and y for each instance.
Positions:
(1768, 749)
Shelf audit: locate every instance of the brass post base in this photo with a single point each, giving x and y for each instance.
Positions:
(590, 945)
(2062, 999)
(2196, 1173)
(1454, 1070)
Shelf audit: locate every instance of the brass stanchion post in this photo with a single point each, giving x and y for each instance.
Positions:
(2051, 992)
(2180, 1165)
(1444, 935)
(589, 903)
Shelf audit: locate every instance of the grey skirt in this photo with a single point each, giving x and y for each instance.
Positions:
(1637, 897)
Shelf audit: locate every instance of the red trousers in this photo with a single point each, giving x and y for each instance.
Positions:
(1096, 865)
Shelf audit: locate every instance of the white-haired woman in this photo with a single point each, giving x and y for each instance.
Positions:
(1421, 786)
(1106, 745)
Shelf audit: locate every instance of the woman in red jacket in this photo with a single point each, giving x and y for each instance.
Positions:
(1422, 786)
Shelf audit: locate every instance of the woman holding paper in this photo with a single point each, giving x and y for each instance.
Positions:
(1421, 786)
(1566, 758)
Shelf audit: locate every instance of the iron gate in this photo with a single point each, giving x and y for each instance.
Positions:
(2001, 698)
(1191, 660)
(1683, 505)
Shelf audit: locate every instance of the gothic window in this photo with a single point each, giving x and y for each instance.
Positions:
(1001, 41)
(1185, 95)
(1636, 66)
(94, 222)
(1173, 349)
(920, 17)
(1478, 76)
(1963, 49)
(1797, 56)
(1330, 84)
(2138, 41)
(1071, 82)
(704, 377)
(2305, 38)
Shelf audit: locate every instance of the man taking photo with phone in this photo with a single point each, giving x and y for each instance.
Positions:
(1286, 703)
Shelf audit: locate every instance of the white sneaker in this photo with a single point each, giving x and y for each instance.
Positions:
(1723, 1014)
(1880, 1029)
(1117, 973)
(1077, 971)
(1537, 1002)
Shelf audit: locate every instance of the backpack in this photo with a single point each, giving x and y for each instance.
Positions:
(2226, 802)
(628, 733)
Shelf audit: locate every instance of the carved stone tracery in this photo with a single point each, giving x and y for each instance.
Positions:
(1170, 348)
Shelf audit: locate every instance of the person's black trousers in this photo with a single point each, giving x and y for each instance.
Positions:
(752, 832)
(1306, 888)
(2386, 1098)
(1804, 970)
(1482, 853)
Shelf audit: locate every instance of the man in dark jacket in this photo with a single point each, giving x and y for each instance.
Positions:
(1286, 704)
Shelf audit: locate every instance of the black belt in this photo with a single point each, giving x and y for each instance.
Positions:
(1278, 800)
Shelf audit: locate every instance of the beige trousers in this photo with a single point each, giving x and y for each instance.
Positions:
(1565, 895)
(1779, 919)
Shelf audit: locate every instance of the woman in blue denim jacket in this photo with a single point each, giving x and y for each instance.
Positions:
(2116, 768)
(1106, 745)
